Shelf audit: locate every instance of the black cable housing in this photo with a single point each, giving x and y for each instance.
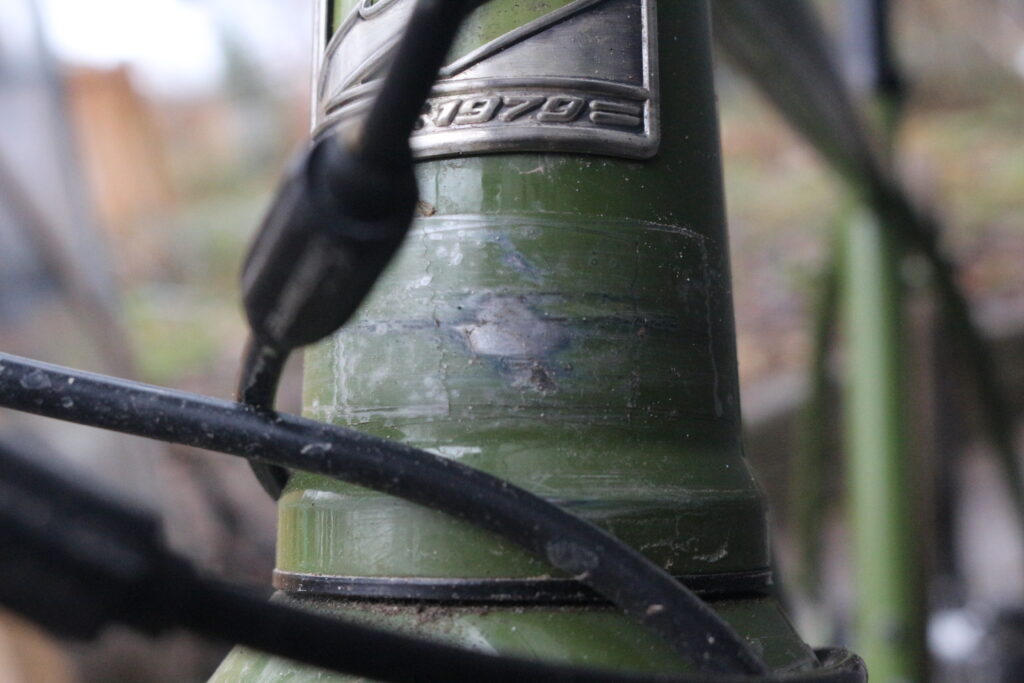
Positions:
(345, 206)
(384, 139)
(576, 547)
(262, 367)
(299, 285)
(68, 544)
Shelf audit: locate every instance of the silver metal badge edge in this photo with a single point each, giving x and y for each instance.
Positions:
(346, 109)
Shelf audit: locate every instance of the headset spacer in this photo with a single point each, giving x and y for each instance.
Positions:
(539, 591)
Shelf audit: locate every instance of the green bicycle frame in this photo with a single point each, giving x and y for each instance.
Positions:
(560, 316)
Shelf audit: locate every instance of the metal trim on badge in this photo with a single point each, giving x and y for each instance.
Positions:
(504, 96)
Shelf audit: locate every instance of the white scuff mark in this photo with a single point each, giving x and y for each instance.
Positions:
(456, 452)
(421, 283)
(716, 556)
(506, 327)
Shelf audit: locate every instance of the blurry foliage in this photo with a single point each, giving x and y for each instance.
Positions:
(965, 118)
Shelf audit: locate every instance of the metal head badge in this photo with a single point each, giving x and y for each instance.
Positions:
(580, 78)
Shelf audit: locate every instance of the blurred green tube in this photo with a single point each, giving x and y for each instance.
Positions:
(888, 609)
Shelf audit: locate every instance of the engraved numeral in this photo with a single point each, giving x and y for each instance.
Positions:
(477, 110)
(561, 109)
(446, 113)
(565, 109)
(516, 107)
(605, 113)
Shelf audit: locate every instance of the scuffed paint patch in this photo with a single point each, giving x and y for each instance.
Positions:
(505, 327)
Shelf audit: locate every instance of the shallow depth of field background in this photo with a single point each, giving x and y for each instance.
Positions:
(182, 115)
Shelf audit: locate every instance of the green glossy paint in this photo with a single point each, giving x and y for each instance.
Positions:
(593, 637)
(564, 322)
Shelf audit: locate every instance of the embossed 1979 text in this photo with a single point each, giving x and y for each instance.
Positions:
(555, 109)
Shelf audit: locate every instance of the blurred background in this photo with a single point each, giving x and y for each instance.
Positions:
(140, 141)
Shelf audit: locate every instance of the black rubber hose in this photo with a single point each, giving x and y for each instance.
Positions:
(421, 54)
(64, 542)
(344, 208)
(383, 143)
(592, 556)
(262, 367)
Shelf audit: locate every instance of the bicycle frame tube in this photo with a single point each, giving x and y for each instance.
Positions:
(560, 316)
(890, 614)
